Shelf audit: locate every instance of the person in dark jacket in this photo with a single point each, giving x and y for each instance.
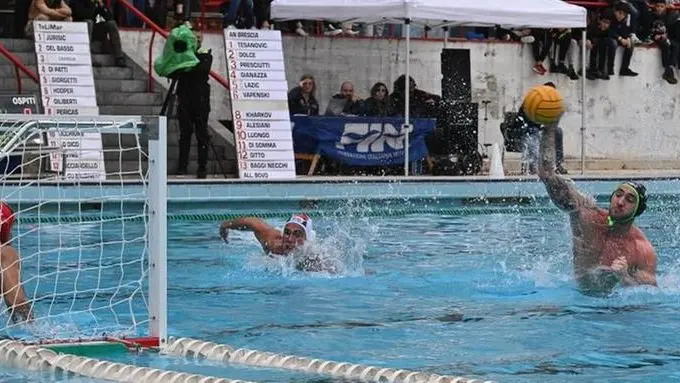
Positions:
(377, 105)
(193, 110)
(602, 47)
(622, 33)
(302, 100)
(100, 24)
(344, 103)
(665, 32)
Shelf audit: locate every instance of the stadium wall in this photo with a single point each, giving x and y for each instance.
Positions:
(627, 118)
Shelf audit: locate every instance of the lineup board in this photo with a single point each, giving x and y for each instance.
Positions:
(67, 89)
(259, 104)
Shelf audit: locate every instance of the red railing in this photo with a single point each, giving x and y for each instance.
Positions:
(156, 29)
(18, 67)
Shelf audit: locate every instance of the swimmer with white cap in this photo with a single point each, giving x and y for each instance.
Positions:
(297, 230)
(608, 249)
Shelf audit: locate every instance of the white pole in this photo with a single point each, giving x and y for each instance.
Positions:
(407, 95)
(583, 101)
(157, 210)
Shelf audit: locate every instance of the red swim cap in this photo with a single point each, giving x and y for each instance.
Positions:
(6, 222)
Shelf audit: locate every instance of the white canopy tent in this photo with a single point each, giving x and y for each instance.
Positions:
(441, 13)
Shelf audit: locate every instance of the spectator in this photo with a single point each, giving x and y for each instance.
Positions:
(564, 43)
(540, 49)
(47, 10)
(664, 32)
(377, 104)
(622, 33)
(100, 25)
(193, 110)
(344, 103)
(602, 47)
(421, 103)
(245, 6)
(302, 100)
(263, 14)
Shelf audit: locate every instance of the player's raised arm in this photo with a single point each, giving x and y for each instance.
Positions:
(544, 105)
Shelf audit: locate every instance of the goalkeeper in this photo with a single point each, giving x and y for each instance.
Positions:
(10, 267)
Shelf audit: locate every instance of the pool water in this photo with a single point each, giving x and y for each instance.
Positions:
(488, 296)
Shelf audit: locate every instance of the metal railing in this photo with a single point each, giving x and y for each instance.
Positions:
(19, 67)
(158, 30)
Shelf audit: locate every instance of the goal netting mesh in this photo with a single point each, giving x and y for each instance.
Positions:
(79, 189)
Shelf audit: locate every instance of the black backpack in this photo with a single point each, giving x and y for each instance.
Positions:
(513, 129)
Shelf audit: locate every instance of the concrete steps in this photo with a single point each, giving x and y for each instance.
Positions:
(120, 91)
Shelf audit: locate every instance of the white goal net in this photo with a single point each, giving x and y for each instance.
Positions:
(85, 208)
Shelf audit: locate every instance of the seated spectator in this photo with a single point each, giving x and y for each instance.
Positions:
(602, 47)
(344, 103)
(47, 10)
(377, 105)
(100, 24)
(247, 7)
(664, 32)
(263, 14)
(622, 33)
(540, 49)
(564, 42)
(301, 99)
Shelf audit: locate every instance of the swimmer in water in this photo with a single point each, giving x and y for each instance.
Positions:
(608, 249)
(295, 233)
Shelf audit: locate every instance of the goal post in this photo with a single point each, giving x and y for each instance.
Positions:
(89, 202)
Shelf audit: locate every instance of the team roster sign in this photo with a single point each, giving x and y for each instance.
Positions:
(259, 103)
(67, 89)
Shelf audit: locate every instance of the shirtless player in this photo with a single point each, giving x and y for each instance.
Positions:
(608, 249)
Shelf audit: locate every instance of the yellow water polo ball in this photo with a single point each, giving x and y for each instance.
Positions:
(543, 105)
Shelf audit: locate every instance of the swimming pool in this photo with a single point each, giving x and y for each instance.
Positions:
(427, 286)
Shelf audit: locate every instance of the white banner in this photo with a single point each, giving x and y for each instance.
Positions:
(254, 45)
(256, 65)
(60, 26)
(271, 166)
(250, 34)
(57, 58)
(60, 102)
(256, 125)
(67, 80)
(252, 75)
(263, 135)
(270, 56)
(69, 70)
(74, 49)
(263, 155)
(265, 175)
(68, 91)
(260, 95)
(72, 111)
(268, 115)
(62, 38)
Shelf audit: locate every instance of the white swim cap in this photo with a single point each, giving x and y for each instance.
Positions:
(305, 222)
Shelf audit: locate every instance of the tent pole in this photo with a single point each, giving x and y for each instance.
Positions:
(446, 36)
(583, 101)
(407, 96)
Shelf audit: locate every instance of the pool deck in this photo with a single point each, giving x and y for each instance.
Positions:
(184, 189)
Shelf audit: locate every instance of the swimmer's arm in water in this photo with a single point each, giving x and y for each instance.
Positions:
(561, 190)
(264, 233)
